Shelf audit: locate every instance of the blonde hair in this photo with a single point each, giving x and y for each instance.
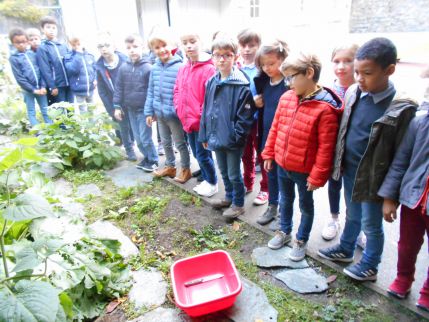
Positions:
(352, 47)
(301, 63)
(33, 32)
(161, 34)
(225, 43)
(74, 40)
(277, 46)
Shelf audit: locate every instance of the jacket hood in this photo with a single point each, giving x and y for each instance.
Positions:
(176, 59)
(205, 59)
(237, 77)
(143, 60)
(329, 96)
(50, 42)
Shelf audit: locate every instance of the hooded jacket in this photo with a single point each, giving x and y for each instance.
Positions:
(80, 68)
(303, 134)
(189, 91)
(162, 79)
(132, 84)
(50, 57)
(228, 112)
(385, 136)
(26, 71)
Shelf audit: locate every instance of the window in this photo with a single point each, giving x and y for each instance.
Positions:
(254, 8)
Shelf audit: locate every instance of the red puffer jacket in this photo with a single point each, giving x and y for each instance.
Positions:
(303, 134)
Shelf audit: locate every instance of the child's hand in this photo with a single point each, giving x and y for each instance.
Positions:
(205, 145)
(259, 102)
(54, 92)
(311, 187)
(43, 91)
(36, 92)
(389, 210)
(149, 121)
(118, 115)
(268, 165)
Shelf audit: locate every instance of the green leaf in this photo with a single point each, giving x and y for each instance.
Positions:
(32, 154)
(72, 144)
(27, 206)
(26, 259)
(30, 301)
(31, 141)
(12, 158)
(98, 161)
(15, 230)
(87, 154)
(67, 304)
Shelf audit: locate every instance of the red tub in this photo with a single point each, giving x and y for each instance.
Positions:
(205, 283)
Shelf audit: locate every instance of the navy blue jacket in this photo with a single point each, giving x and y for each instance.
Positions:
(408, 174)
(50, 57)
(227, 113)
(26, 71)
(159, 100)
(106, 81)
(132, 84)
(80, 69)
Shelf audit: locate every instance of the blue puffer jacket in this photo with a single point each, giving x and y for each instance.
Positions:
(227, 113)
(26, 71)
(50, 56)
(159, 99)
(80, 69)
(132, 84)
(408, 174)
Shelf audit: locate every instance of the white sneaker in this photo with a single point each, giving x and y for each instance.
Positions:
(208, 190)
(331, 229)
(361, 240)
(199, 186)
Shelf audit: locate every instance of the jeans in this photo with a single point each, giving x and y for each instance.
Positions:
(249, 159)
(273, 185)
(125, 131)
(287, 181)
(334, 193)
(365, 215)
(229, 162)
(31, 107)
(204, 158)
(64, 95)
(169, 128)
(83, 101)
(142, 134)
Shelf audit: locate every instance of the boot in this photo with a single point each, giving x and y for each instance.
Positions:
(184, 175)
(165, 172)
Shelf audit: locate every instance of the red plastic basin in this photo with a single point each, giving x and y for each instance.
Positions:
(205, 283)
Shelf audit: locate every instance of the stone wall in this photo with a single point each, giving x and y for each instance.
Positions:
(389, 16)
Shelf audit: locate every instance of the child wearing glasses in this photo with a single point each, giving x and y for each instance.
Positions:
(301, 142)
(226, 121)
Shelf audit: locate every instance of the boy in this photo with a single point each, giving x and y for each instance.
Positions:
(226, 121)
(50, 56)
(27, 75)
(371, 129)
(301, 141)
(130, 96)
(107, 67)
(34, 38)
(80, 67)
(407, 182)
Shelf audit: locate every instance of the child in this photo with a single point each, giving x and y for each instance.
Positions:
(107, 67)
(27, 75)
(301, 141)
(130, 96)
(371, 129)
(342, 61)
(34, 38)
(407, 182)
(189, 92)
(270, 87)
(50, 56)
(80, 67)
(248, 44)
(159, 106)
(226, 121)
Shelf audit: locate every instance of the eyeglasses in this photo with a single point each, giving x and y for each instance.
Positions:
(225, 56)
(99, 46)
(290, 79)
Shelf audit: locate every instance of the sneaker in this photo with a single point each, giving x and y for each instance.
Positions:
(141, 164)
(147, 166)
(208, 189)
(261, 198)
(335, 254)
(423, 301)
(279, 240)
(400, 288)
(131, 155)
(422, 306)
(199, 186)
(268, 215)
(361, 240)
(220, 203)
(361, 272)
(165, 172)
(233, 212)
(196, 173)
(161, 150)
(331, 230)
(200, 178)
(258, 168)
(298, 250)
(275, 224)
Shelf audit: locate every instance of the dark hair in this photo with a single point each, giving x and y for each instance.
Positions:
(132, 38)
(17, 32)
(248, 35)
(225, 43)
(380, 50)
(48, 20)
(277, 46)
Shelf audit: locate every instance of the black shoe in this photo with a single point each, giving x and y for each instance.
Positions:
(148, 166)
(141, 164)
(196, 173)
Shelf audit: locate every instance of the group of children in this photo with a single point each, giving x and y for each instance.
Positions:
(250, 101)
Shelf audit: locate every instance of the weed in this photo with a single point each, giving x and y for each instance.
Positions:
(84, 177)
(188, 199)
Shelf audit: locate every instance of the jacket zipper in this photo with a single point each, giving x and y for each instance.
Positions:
(32, 68)
(61, 62)
(290, 128)
(87, 75)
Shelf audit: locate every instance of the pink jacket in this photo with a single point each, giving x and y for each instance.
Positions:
(189, 92)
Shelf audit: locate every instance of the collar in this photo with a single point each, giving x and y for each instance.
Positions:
(114, 64)
(378, 97)
(250, 66)
(311, 95)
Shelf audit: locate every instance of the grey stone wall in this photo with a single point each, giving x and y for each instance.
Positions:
(389, 16)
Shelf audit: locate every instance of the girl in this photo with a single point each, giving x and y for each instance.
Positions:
(270, 86)
(189, 92)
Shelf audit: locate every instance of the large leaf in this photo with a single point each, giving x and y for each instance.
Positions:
(12, 158)
(26, 259)
(30, 141)
(27, 206)
(30, 301)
